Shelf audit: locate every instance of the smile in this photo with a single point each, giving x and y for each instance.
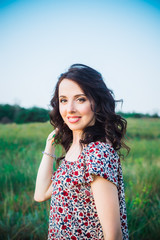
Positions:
(73, 119)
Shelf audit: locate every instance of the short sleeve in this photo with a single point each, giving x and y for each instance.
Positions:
(102, 160)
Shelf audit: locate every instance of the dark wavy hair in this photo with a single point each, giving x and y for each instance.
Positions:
(108, 125)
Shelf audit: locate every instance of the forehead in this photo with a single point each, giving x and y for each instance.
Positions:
(69, 87)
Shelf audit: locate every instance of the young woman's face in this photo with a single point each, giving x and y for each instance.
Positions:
(74, 106)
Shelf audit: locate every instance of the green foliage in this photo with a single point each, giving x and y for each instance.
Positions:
(20, 153)
(8, 112)
(17, 114)
(138, 115)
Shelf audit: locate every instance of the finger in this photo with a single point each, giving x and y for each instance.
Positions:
(56, 130)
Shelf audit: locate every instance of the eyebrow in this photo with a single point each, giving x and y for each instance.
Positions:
(78, 95)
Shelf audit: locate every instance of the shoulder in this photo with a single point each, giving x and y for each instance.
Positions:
(101, 149)
(102, 160)
(101, 154)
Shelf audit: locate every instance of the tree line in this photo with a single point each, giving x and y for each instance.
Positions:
(17, 114)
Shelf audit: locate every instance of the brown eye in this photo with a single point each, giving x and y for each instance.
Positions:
(81, 100)
(62, 100)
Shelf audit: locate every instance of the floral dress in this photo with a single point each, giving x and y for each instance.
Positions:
(73, 213)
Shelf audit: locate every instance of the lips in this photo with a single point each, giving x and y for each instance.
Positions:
(73, 119)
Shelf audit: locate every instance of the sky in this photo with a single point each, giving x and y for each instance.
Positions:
(120, 38)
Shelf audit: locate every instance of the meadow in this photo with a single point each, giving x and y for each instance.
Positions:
(21, 149)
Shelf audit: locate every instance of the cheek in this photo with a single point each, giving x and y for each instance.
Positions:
(86, 110)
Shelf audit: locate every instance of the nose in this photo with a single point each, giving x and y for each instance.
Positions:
(71, 107)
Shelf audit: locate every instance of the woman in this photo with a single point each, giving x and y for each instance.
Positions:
(87, 190)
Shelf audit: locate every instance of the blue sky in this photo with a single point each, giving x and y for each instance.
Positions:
(41, 39)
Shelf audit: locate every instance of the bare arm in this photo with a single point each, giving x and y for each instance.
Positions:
(43, 189)
(107, 204)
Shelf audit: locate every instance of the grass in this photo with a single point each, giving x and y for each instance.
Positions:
(20, 154)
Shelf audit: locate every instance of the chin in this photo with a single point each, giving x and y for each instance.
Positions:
(75, 128)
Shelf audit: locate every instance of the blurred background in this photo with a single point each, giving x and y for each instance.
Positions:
(41, 39)
(38, 41)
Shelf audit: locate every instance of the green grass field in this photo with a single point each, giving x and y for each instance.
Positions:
(21, 149)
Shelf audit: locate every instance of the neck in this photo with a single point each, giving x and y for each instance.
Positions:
(76, 136)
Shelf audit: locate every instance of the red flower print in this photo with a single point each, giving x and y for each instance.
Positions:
(105, 155)
(60, 209)
(65, 220)
(79, 231)
(88, 235)
(75, 182)
(73, 238)
(87, 192)
(72, 197)
(68, 180)
(65, 193)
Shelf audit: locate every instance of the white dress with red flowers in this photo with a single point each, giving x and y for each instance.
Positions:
(73, 214)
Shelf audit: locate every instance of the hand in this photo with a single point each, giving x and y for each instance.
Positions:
(52, 135)
(50, 139)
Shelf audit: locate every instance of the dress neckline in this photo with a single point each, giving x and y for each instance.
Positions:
(73, 162)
